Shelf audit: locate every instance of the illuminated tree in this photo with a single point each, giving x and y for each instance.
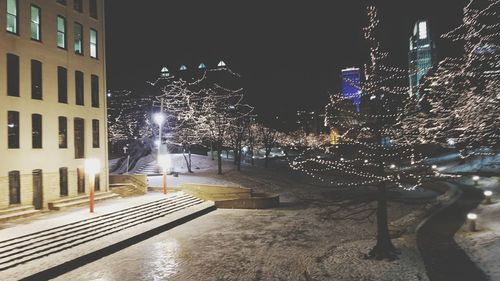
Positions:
(367, 154)
(203, 109)
(461, 99)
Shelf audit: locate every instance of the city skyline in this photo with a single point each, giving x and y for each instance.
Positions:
(309, 45)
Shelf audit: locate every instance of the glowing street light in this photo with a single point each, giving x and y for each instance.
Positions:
(434, 167)
(164, 162)
(487, 195)
(476, 180)
(92, 167)
(471, 217)
(393, 166)
(159, 118)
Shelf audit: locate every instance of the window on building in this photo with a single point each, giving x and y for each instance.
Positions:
(14, 187)
(95, 133)
(35, 23)
(95, 90)
(63, 132)
(93, 43)
(78, 38)
(36, 130)
(79, 91)
(36, 80)
(97, 182)
(63, 181)
(61, 32)
(79, 125)
(78, 5)
(62, 84)
(80, 173)
(63, 2)
(93, 8)
(422, 30)
(12, 18)
(13, 129)
(12, 75)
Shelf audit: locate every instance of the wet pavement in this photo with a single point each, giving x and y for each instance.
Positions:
(444, 259)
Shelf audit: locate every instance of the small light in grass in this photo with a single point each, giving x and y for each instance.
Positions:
(471, 216)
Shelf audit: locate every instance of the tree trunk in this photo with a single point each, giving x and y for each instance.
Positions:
(238, 164)
(187, 159)
(219, 158)
(212, 150)
(190, 162)
(251, 155)
(266, 160)
(384, 249)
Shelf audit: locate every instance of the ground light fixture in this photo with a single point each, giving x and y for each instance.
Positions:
(393, 166)
(487, 195)
(471, 217)
(164, 162)
(476, 180)
(434, 167)
(92, 167)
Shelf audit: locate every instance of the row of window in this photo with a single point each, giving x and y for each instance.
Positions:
(13, 132)
(15, 185)
(13, 82)
(78, 6)
(36, 29)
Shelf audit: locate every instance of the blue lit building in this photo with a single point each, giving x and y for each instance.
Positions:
(351, 86)
(422, 54)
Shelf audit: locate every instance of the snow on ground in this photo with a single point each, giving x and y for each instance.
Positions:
(483, 246)
(476, 164)
(304, 239)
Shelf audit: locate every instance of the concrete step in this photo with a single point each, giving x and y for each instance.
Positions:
(20, 214)
(148, 169)
(43, 248)
(15, 209)
(63, 233)
(23, 249)
(79, 200)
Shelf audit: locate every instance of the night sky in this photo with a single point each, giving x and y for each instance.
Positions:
(289, 54)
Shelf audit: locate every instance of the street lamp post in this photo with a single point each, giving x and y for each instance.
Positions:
(472, 221)
(487, 195)
(159, 119)
(164, 162)
(92, 167)
(476, 180)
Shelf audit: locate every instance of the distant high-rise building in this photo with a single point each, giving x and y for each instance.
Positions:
(422, 54)
(351, 86)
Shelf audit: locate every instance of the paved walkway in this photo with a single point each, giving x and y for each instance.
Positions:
(444, 259)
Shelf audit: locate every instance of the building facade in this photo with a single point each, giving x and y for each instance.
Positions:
(351, 86)
(52, 99)
(422, 54)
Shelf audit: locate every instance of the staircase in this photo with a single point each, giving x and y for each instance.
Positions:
(56, 245)
(17, 212)
(148, 169)
(81, 200)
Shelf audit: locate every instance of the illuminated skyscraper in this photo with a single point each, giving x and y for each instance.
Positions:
(421, 56)
(351, 86)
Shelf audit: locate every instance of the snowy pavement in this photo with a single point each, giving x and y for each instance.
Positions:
(483, 246)
(305, 239)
